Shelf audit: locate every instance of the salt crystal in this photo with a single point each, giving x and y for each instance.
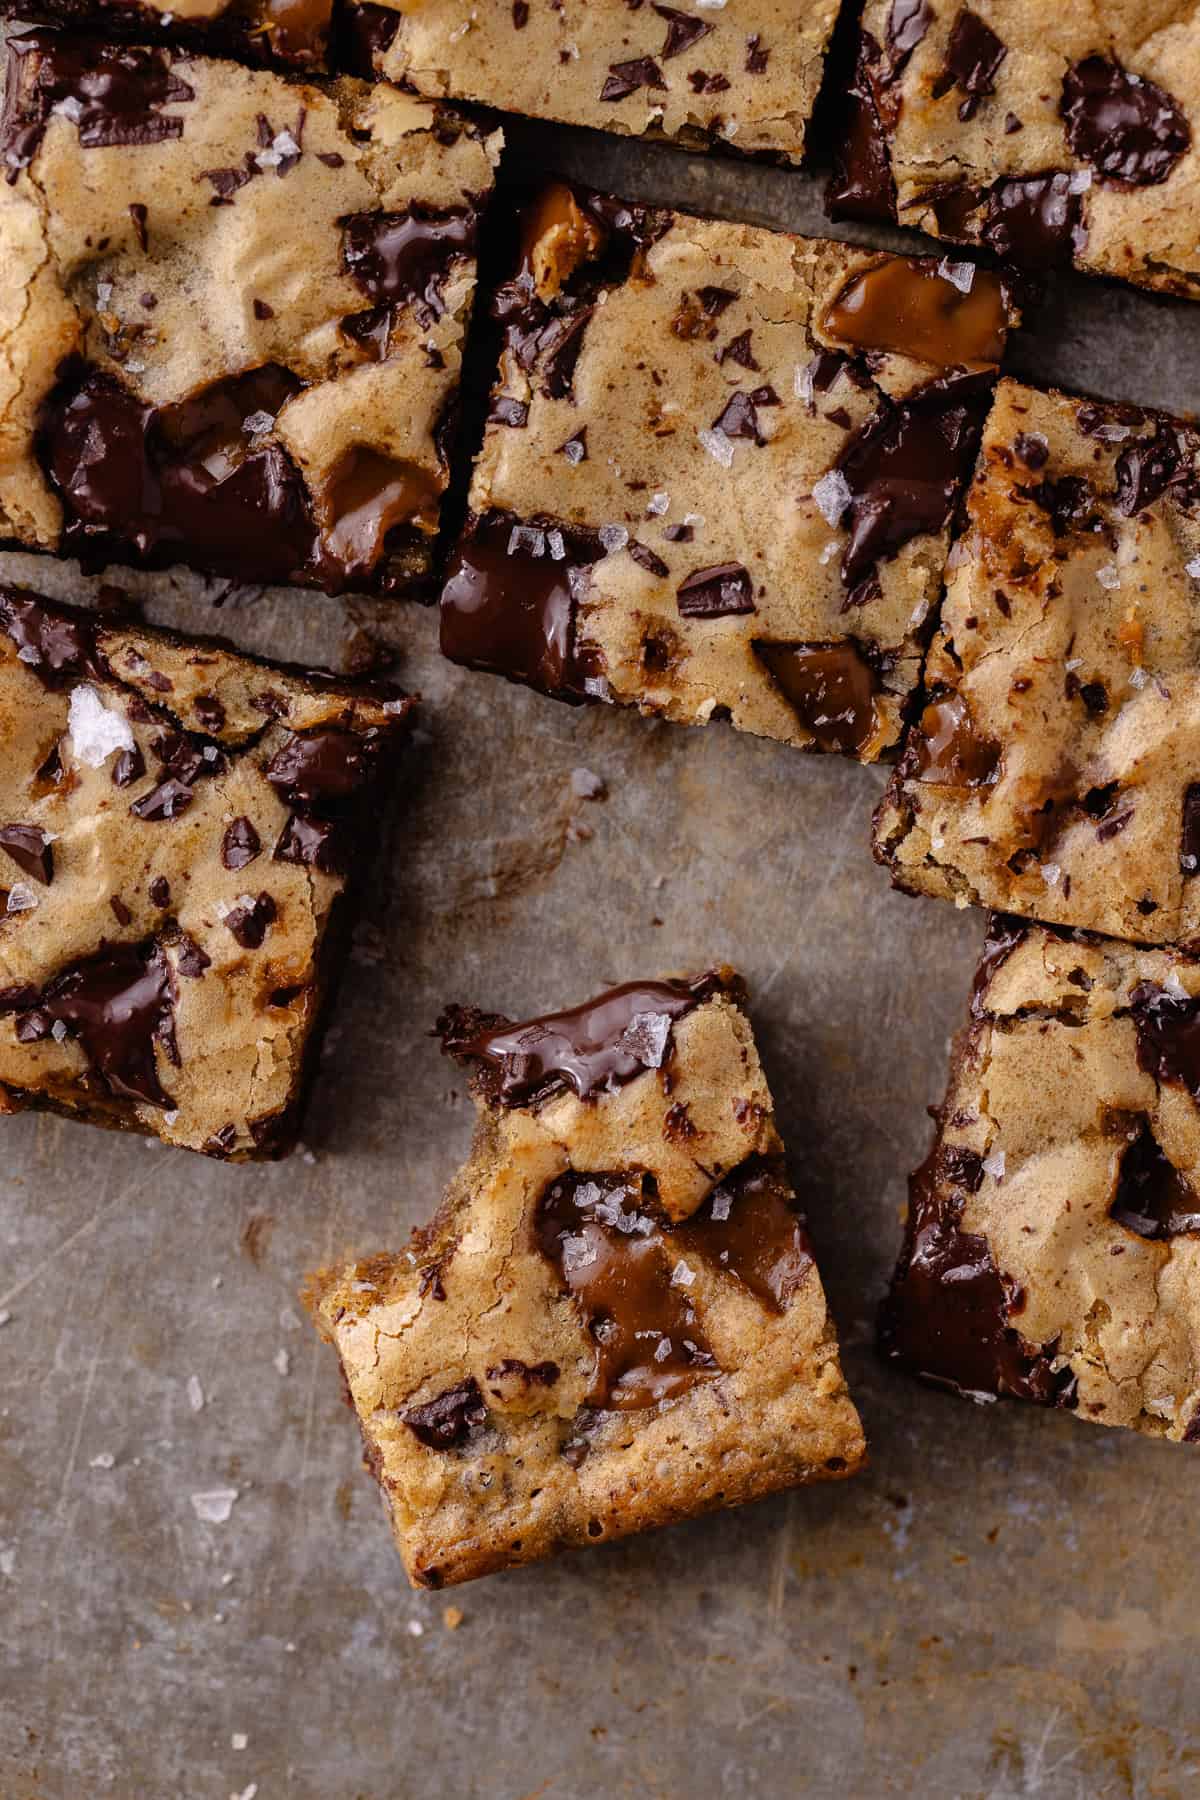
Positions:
(1051, 873)
(829, 552)
(94, 730)
(1193, 568)
(283, 1361)
(994, 1165)
(21, 897)
(526, 538)
(1173, 986)
(1074, 662)
(959, 274)
(1138, 678)
(195, 1393)
(832, 495)
(247, 1793)
(105, 1460)
(415, 1628)
(682, 1276)
(8, 1562)
(1080, 181)
(70, 108)
(613, 537)
(283, 145)
(1109, 576)
(556, 544)
(658, 504)
(662, 1349)
(132, 367)
(5, 1318)
(802, 382)
(104, 293)
(238, 1741)
(587, 785)
(694, 519)
(257, 422)
(722, 1204)
(214, 1506)
(719, 447)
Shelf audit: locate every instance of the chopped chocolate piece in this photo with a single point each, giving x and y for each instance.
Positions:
(294, 33)
(822, 486)
(1034, 136)
(1049, 771)
(611, 1323)
(157, 429)
(613, 64)
(135, 1006)
(1050, 1247)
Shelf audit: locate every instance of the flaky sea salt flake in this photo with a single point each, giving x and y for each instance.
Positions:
(94, 730)
(214, 1505)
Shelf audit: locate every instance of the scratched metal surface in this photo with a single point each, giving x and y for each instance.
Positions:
(1002, 1606)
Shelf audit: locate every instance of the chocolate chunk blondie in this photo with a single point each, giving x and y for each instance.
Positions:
(615, 1319)
(232, 314)
(1054, 768)
(720, 469)
(1054, 138)
(1053, 1242)
(745, 77)
(178, 828)
(293, 33)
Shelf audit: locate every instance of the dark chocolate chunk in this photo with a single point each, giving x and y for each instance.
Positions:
(647, 559)
(757, 55)
(616, 1265)
(861, 186)
(1145, 470)
(166, 801)
(947, 1314)
(249, 921)
(1153, 1197)
(365, 34)
(973, 58)
(119, 1003)
(319, 771)
(404, 258)
(55, 646)
(715, 592)
(1123, 124)
(31, 850)
(128, 766)
(751, 1227)
(1168, 1035)
(1036, 220)
(188, 480)
(738, 350)
(159, 891)
(625, 78)
(240, 844)
(1068, 502)
(739, 416)
(313, 843)
(907, 24)
(1004, 934)
(111, 92)
(504, 410)
(683, 30)
(590, 1049)
(447, 1422)
(1032, 449)
(190, 959)
(905, 468)
(509, 603)
(830, 687)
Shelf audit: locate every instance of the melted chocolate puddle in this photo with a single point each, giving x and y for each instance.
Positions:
(751, 1227)
(830, 687)
(119, 1004)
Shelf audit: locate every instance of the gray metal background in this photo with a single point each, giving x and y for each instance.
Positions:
(1003, 1605)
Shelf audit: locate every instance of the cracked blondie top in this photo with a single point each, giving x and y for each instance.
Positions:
(178, 826)
(293, 33)
(615, 1320)
(719, 471)
(1053, 1242)
(232, 314)
(1054, 766)
(701, 73)
(1053, 136)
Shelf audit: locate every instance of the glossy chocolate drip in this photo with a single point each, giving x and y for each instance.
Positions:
(55, 646)
(1124, 125)
(718, 592)
(590, 1049)
(364, 34)
(905, 468)
(905, 305)
(1035, 220)
(617, 1267)
(509, 603)
(973, 58)
(31, 850)
(191, 481)
(1004, 934)
(946, 1315)
(368, 495)
(861, 186)
(119, 1004)
(830, 687)
(405, 258)
(111, 92)
(1168, 1035)
(751, 1227)
(1153, 1198)
(946, 750)
(908, 22)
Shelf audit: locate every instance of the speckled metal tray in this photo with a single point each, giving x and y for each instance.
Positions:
(1002, 1606)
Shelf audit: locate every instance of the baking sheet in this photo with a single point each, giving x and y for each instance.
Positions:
(1003, 1605)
